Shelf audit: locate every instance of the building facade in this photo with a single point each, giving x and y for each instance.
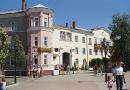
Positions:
(47, 44)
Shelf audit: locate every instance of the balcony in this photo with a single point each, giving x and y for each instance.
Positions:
(8, 28)
(39, 28)
(41, 50)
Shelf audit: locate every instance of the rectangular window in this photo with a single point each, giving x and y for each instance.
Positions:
(96, 52)
(83, 39)
(90, 41)
(45, 59)
(35, 62)
(95, 40)
(62, 35)
(35, 41)
(45, 41)
(77, 61)
(84, 61)
(101, 40)
(69, 37)
(1, 25)
(76, 50)
(36, 21)
(45, 22)
(11, 61)
(84, 51)
(13, 26)
(90, 51)
(76, 38)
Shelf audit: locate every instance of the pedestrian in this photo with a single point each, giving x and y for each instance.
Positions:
(119, 76)
(28, 72)
(3, 84)
(109, 83)
(41, 72)
(38, 72)
(68, 69)
(73, 69)
(101, 70)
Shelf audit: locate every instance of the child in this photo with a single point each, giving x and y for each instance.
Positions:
(109, 83)
(3, 84)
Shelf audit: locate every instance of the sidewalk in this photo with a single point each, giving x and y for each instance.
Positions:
(83, 80)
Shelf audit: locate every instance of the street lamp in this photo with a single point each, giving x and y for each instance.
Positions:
(105, 45)
(13, 48)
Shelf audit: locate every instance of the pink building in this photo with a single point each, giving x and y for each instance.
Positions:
(40, 36)
(34, 27)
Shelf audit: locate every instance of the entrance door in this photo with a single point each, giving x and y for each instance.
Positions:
(66, 59)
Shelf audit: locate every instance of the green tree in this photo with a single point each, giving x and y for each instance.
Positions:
(95, 61)
(20, 52)
(3, 46)
(120, 36)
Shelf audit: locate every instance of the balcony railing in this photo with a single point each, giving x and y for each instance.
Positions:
(39, 28)
(7, 28)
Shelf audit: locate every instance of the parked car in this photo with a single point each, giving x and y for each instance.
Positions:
(90, 69)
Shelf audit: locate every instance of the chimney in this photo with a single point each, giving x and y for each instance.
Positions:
(24, 5)
(74, 24)
(66, 24)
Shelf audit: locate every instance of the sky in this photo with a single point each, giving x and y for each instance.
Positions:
(87, 13)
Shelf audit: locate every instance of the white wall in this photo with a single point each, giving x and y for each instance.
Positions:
(67, 45)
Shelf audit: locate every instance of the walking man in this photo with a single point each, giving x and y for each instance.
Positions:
(119, 76)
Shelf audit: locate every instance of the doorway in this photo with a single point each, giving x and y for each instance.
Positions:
(66, 59)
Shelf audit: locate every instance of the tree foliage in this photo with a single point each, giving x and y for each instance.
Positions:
(95, 61)
(120, 36)
(19, 51)
(3, 46)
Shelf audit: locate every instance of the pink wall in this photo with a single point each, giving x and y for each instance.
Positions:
(40, 35)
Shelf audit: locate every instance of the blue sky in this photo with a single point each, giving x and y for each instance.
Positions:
(87, 13)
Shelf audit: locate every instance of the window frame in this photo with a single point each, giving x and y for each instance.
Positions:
(90, 41)
(13, 26)
(76, 38)
(84, 51)
(90, 51)
(45, 59)
(45, 22)
(11, 60)
(69, 36)
(36, 22)
(76, 50)
(35, 41)
(62, 35)
(45, 41)
(35, 57)
(83, 39)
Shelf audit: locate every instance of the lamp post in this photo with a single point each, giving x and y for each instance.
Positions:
(13, 47)
(0, 51)
(105, 46)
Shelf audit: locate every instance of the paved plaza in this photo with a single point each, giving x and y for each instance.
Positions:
(83, 80)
